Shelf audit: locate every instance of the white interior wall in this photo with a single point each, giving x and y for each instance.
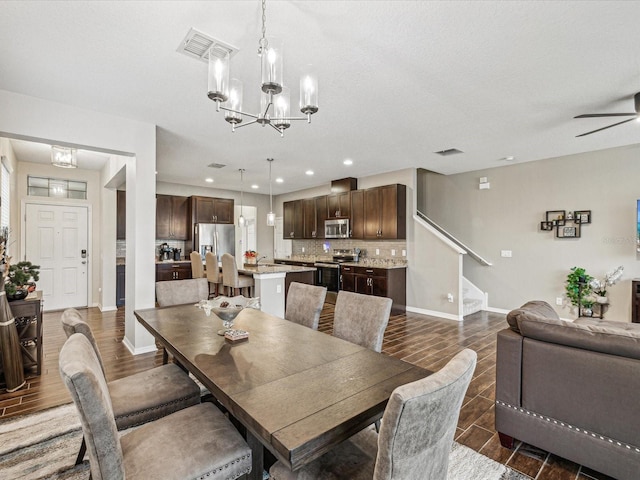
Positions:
(35, 119)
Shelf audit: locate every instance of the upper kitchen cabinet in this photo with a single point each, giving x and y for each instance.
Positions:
(121, 215)
(357, 214)
(293, 219)
(385, 212)
(339, 205)
(314, 213)
(172, 217)
(212, 210)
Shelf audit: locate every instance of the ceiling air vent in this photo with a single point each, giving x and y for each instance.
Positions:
(449, 151)
(197, 44)
(216, 165)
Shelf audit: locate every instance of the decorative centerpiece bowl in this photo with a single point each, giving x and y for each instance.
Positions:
(227, 309)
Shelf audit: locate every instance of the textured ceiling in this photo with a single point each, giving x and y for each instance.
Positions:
(398, 80)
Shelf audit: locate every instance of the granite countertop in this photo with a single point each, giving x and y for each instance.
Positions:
(121, 261)
(275, 269)
(172, 261)
(384, 264)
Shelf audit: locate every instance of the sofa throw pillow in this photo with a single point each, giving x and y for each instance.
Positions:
(533, 309)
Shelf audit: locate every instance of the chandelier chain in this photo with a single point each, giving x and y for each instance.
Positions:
(263, 44)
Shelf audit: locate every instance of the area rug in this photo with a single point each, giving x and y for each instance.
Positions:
(44, 445)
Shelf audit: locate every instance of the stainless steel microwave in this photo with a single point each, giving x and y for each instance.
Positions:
(336, 228)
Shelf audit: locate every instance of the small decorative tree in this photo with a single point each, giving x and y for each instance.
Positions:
(19, 275)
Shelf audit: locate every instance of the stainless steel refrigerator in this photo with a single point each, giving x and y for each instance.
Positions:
(216, 238)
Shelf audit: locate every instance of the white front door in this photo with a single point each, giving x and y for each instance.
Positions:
(56, 238)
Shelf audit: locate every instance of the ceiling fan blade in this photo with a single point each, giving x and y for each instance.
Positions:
(596, 115)
(604, 128)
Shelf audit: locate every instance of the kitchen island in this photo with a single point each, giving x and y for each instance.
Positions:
(272, 283)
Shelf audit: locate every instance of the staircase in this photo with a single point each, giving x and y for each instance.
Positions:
(471, 299)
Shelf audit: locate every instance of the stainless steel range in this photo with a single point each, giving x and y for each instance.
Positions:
(328, 274)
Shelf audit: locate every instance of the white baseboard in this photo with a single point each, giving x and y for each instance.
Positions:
(138, 351)
(433, 313)
(497, 310)
(108, 308)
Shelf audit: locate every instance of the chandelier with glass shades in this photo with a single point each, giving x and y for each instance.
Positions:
(275, 97)
(63, 157)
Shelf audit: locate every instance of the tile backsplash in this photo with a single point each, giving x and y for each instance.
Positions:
(121, 247)
(326, 247)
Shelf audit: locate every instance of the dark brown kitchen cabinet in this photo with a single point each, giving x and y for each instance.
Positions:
(314, 213)
(212, 210)
(357, 214)
(172, 217)
(121, 214)
(635, 300)
(380, 282)
(173, 271)
(293, 219)
(385, 212)
(339, 205)
(321, 215)
(120, 285)
(310, 228)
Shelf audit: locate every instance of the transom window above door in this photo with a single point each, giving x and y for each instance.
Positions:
(56, 188)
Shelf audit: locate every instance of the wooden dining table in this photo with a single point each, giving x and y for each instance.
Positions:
(297, 391)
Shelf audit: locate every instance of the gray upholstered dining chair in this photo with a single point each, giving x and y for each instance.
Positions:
(181, 292)
(214, 276)
(196, 442)
(361, 319)
(304, 304)
(144, 396)
(232, 279)
(417, 432)
(197, 270)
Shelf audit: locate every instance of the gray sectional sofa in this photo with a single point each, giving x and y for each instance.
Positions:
(571, 388)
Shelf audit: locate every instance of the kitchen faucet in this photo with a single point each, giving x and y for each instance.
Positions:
(258, 260)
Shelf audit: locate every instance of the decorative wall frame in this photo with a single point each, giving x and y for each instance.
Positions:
(567, 224)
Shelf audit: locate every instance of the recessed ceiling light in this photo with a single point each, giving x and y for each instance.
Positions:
(510, 158)
(309, 172)
(348, 161)
(279, 180)
(254, 186)
(208, 180)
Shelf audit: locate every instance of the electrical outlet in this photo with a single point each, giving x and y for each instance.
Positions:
(558, 300)
(278, 288)
(377, 251)
(393, 252)
(302, 249)
(404, 253)
(450, 297)
(506, 253)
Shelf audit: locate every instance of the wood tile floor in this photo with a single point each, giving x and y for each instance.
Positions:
(423, 340)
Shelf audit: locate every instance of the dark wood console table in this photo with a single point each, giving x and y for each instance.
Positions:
(28, 315)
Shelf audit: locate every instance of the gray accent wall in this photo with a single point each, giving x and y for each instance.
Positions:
(507, 217)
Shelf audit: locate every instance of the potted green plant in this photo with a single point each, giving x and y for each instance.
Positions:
(18, 279)
(577, 286)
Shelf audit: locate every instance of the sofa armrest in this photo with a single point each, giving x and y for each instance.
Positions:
(509, 367)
